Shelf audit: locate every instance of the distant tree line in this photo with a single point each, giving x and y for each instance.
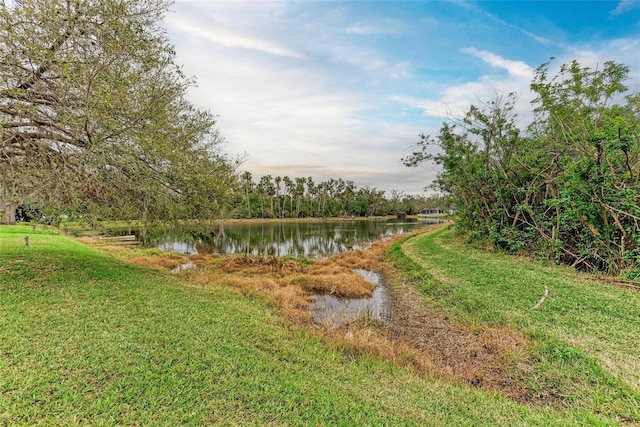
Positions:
(302, 197)
(567, 187)
(280, 198)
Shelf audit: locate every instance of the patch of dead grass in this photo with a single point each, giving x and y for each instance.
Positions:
(162, 263)
(250, 264)
(152, 258)
(291, 300)
(340, 284)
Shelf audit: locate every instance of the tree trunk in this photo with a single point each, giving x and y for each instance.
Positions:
(8, 211)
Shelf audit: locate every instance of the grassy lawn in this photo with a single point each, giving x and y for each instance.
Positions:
(585, 337)
(86, 339)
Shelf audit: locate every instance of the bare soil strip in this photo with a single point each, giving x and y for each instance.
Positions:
(483, 358)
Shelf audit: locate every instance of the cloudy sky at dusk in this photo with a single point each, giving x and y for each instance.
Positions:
(343, 89)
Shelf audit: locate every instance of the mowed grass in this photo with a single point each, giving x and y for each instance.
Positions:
(86, 339)
(585, 348)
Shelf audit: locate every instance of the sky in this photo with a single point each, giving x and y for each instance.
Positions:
(332, 89)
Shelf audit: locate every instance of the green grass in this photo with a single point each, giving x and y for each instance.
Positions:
(86, 339)
(585, 336)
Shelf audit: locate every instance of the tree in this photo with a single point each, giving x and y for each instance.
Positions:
(93, 113)
(278, 180)
(589, 125)
(266, 188)
(476, 154)
(290, 189)
(395, 200)
(312, 191)
(570, 189)
(247, 185)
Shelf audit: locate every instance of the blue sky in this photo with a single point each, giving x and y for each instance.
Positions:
(343, 89)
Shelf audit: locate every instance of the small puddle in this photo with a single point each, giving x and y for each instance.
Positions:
(327, 309)
(186, 266)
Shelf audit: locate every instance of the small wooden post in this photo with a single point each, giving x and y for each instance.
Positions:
(26, 241)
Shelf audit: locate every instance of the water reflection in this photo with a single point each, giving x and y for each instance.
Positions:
(327, 309)
(296, 238)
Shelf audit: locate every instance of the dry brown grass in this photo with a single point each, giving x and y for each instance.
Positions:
(162, 263)
(361, 338)
(423, 339)
(290, 300)
(152, 258)
(340, 284)
(261, 264)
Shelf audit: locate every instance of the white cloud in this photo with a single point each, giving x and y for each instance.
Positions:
(515, 68)
(370, 62)
(291, 121)
(454, 100)
(375, 26)
(534, 36)
(622, 51)
(625, 6)
(217, 33)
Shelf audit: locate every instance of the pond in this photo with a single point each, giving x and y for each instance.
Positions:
(311, 239)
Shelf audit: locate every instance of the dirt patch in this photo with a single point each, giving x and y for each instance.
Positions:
(483, 358)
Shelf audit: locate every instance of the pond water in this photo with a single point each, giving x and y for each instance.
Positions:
(327, 309)
(312, 239)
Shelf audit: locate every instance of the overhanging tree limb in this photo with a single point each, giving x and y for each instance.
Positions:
(89, 91)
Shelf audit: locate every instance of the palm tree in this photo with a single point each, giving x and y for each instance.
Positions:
(278, 180)
(247, 184)
(289, 186)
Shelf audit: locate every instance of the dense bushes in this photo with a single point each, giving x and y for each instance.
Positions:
(567, 187)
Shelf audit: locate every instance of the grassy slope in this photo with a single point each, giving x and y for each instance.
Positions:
(87, 339)
(585, 335)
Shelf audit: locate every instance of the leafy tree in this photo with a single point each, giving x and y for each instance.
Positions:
(470, 174)
(93, 113)
(395, 202)
(569, 189)
(590, 127)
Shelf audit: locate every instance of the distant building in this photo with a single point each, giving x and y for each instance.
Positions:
(432, 212)
(435, 212)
